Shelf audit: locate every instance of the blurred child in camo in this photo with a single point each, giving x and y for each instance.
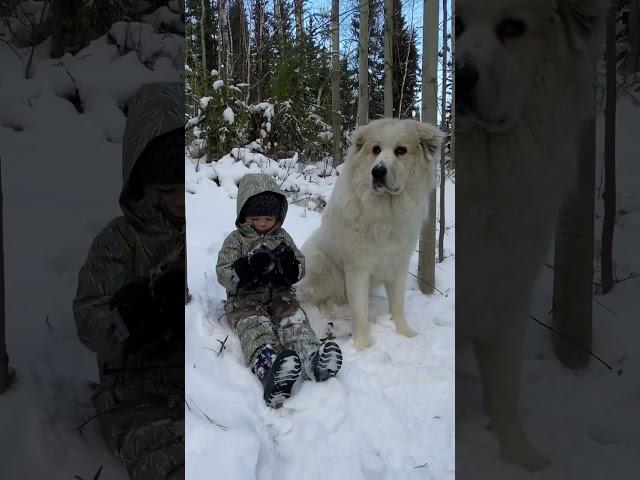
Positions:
(258, 264)
(129, 308)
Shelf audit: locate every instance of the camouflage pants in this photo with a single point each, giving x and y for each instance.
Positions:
(280, 323)
(145, 431)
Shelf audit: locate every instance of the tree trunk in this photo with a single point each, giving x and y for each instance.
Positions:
(426, 259)
(224, 40)
(259, 25)
(443, 171)
(633, 57)
(277, 11)
(5, 373)
(606, 262)
(388, 59)
(363, 64)
(63, 13)
(335, 81)
(299, 20)
(573, 266)
(203, 40)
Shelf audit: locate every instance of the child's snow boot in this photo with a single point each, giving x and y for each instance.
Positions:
(278, 372)
(325, 362)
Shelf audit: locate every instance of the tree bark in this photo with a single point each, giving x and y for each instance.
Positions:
(5, 372)
(573, 266)
(203, 41)
(335, 81)
(426, 259)
(259, 25)
(633, 57)
(606, 262)
(388, 58)
(299, 8)
(443, 171)
(363, 64)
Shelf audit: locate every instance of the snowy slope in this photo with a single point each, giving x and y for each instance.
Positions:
(61, 180)
(388, 414)
(585, 422)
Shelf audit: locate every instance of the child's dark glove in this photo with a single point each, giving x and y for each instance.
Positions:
(289, 266)
(262, 261)
(168, 293)
(244, 272)
(141, 315)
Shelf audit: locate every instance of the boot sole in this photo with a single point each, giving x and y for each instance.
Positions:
(283, 374)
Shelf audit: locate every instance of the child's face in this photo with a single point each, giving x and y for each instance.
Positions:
(170, 198)
(262, 224)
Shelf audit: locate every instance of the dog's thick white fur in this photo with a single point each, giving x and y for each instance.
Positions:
(524, 68)
(372, 221)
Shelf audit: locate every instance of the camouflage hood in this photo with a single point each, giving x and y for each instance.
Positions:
(253, 184)
(155, 109)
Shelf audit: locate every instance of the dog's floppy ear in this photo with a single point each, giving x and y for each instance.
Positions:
(358, 137)
(430, 136)
(579, 19)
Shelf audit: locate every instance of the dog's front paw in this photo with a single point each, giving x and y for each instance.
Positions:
(406, 330)
(518, 450)
(362, 343)
(531, 459)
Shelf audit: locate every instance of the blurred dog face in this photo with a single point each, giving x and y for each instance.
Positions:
(504, 48)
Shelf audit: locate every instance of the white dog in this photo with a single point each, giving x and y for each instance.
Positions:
(371, 224)
(522, 97)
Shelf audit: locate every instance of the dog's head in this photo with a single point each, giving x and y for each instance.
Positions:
(503, 48)
(388, 153)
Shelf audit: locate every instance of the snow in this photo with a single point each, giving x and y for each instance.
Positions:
(228, 115)
(584, 421)
(61, 180)
(204, 102)
(218, 84)
(387, 415)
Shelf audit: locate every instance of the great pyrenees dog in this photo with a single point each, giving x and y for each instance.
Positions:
(523, 85)
(372, 221)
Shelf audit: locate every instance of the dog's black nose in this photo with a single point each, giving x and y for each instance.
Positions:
(466, 80)
(379, 172)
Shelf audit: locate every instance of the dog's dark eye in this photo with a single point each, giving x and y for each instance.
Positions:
(400, 151)
(376, 150)
(459, 27)
(510, 28)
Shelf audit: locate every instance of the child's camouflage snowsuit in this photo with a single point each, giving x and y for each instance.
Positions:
(140, 398)
(262, 314)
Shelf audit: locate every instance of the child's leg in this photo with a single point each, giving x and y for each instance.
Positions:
(292, 327)
(277, 368)
(254, 329)
(320, 362)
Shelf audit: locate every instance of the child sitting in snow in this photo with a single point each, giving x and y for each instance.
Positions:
(257, 265)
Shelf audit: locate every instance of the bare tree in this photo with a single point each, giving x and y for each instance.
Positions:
(388, 58)
(298, 4)
(5, 372)
(224, 42)
(426, 259)
(633, 56)
(335, 81)
(443, 122)
(203, 41)
(277, 12)
(363, 64)
(573, 265)
(259, 39)
(606, 261)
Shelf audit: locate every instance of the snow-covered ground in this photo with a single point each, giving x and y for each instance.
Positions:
(60, 149)
(389, 414)
(586, 421)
